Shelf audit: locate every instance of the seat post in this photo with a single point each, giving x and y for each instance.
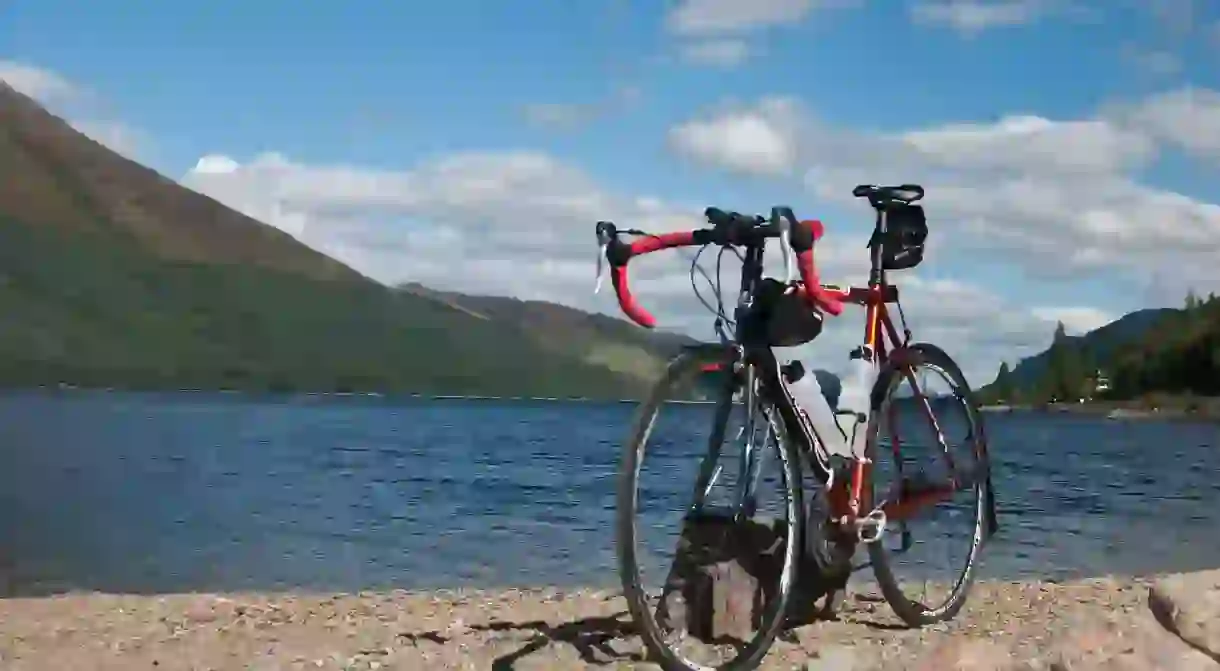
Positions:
(876, 275)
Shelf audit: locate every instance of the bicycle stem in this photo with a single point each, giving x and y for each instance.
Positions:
(785, 242)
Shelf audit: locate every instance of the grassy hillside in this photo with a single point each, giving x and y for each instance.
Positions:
(112, 275)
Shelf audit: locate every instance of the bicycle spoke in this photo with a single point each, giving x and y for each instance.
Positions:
(711, 468)
(931, 416)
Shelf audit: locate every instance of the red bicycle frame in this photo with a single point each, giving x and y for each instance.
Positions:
(848, 498)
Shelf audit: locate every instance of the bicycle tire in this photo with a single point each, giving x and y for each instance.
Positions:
(909, 611)
(689, 363)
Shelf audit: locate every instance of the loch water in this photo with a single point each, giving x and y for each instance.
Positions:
(201, 492)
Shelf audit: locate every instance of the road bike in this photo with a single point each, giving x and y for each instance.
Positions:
(845, 507)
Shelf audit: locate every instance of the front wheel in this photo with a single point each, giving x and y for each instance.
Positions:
(682, 438)
(904, 395)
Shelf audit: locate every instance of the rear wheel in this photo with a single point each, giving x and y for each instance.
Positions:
(904, 395)
(642, 509)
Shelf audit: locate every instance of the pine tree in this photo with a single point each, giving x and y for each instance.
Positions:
(1192, 301)
(1065, 375)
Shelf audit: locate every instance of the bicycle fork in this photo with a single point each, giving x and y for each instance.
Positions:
(751, 453)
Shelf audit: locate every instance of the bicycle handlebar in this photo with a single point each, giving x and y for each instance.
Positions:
(728, 229)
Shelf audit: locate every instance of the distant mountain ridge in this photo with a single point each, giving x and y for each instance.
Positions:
(594, 338)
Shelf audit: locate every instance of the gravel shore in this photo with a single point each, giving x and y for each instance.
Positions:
(1084, 624)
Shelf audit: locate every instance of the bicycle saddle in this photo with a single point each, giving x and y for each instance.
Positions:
(880, 195)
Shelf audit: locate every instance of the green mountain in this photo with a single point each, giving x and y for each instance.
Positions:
(112, 275)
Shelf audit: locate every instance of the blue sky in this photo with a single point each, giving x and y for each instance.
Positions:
(366, 120)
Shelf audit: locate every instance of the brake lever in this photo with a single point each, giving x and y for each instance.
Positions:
(605, 233)
(785, 241)
(601, 261)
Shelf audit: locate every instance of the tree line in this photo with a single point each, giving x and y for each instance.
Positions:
(1178, 355)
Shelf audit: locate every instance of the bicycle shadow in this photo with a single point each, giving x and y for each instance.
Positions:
(591, 638)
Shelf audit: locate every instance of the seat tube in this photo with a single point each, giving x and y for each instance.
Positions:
(872, 328)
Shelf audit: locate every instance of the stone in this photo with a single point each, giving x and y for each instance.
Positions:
(1188, 604)
(1134, 643)
(724, 575)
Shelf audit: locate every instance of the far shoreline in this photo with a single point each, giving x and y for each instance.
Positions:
(1205, 409)
(303, 395)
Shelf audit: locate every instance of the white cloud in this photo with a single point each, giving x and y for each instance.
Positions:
(1076, 320)
(215, 164)
(1057, 197)
(714, 31)
(38, 83)
(1032, 144)
(973, 16)
(702, 17)
(720, 53)
(1188, 118)
(760, 140)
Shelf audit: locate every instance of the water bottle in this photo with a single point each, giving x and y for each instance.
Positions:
(807, 392)
(855, 400)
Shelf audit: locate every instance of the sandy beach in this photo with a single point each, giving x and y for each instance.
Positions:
(1097, 623)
